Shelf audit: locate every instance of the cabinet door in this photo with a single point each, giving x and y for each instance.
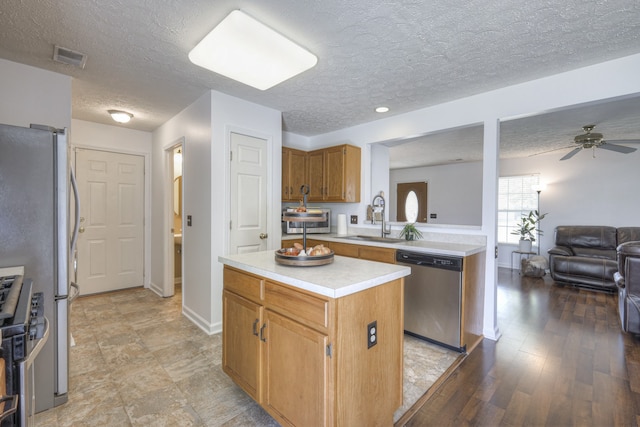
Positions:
(286, 168)
(315, 161)
(241, 350)
(294, 173)
(334, 174)
(296, 376)
(297, 173)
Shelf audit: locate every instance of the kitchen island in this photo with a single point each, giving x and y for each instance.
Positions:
(318, 345)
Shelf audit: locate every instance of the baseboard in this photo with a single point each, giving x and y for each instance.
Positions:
(156, 289)
(208, 328)
(492, 334)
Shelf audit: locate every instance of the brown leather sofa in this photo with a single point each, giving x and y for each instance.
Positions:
(586, 256)
(628, 282)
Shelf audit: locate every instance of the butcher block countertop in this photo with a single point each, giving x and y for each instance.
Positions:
(344, 276)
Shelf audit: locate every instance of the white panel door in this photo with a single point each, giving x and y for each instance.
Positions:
(248, 194)
(110, 242)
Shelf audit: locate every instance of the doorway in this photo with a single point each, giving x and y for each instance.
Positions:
(412, 202)
(174, 208)
(177, 218)
(111, 234)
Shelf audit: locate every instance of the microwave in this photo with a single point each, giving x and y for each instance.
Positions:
(292, 227)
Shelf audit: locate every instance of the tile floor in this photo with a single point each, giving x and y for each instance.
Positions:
(138, 362)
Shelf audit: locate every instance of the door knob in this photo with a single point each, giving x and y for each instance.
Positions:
(263, 236)
(81, 230)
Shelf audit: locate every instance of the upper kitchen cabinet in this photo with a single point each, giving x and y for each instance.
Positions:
(294, 173)
(334, 174)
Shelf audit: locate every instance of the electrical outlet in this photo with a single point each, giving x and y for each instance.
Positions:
(372, 334)
(354, 219)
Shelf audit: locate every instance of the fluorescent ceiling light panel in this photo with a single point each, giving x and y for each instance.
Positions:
(245, 50)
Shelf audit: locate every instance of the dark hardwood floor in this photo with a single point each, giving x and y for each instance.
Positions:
(562, 360)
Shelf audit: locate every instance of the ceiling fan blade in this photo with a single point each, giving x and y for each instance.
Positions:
(617, 148)
(550, 151)
(622, 141)
(571, 153)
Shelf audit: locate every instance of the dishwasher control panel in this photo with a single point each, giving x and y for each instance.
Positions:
(427, 260)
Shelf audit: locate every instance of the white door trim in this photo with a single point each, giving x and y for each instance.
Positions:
(228, 130)
(146, 268)
(168, 286)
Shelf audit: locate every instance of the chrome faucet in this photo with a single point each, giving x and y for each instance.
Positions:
(378, 205)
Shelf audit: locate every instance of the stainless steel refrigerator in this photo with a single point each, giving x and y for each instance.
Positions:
(35, 198)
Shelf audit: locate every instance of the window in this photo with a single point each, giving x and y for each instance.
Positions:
(516, 197)
(411, 207)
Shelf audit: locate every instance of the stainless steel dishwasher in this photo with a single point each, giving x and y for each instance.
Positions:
(433, 298)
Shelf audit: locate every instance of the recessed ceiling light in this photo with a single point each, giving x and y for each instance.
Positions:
(382, 109)
(246, 50)
(120, 116)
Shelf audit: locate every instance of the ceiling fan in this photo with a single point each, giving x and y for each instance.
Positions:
(595, 140)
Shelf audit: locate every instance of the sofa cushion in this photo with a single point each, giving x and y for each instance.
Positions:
(628, 234)
(587, 236)
(592, 272)
(594, 252)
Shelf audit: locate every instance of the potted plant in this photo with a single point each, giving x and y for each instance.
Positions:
(527, 230)
(410, 232)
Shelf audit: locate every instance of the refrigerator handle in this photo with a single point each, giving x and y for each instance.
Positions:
(76, 226)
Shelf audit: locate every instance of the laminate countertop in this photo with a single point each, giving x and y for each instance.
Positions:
(421, 246)
(344, 276)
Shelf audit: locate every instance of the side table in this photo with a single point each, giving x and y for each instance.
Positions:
(520, 253)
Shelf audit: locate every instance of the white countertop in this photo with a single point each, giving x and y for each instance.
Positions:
(421, 246)
(344, 276)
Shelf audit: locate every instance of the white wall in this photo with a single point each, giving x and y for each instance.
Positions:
(205, 126)
(121, 140)
(31, 95)
(454, 192)
(230, 114)
(194, 125)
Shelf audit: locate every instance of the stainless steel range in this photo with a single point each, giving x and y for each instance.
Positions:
(24, 330)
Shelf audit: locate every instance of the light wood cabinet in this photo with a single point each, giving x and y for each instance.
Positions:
(315, 162)
(304, 357)
(294, 173)
(240, 349)
(296, 376)
(333, 174)
(371, 253)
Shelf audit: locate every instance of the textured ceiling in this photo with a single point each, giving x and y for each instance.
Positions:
(402, 54)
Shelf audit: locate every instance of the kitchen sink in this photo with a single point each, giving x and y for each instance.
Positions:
(373, 239)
